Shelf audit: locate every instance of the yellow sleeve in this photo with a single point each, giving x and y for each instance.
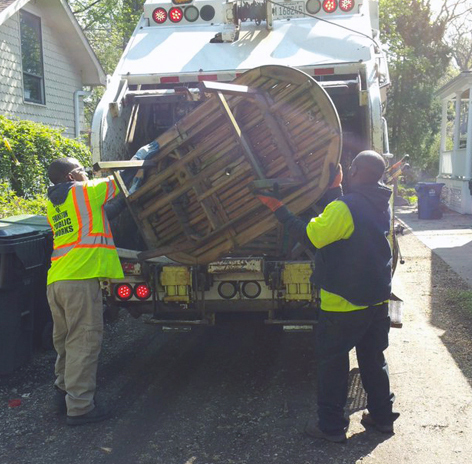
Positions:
(333, 224)
(103, 189)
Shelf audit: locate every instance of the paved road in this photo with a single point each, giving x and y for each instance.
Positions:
(240, 394)
(449, 237)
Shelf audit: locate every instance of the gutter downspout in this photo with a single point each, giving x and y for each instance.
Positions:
(77, 95)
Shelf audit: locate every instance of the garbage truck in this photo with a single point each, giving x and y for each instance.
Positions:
(238, 96)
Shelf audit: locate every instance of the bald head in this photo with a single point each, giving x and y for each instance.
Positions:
(367, 167)
(60, 168)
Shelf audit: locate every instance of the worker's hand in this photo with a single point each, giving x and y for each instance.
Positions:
(137, 181)
(335, 176)
(269, 199)
(147, 151)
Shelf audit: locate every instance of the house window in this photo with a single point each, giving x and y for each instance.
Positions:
(32, 58)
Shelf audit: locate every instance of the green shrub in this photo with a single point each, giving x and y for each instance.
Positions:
(26, 150)
(407, 193)
(12, 205)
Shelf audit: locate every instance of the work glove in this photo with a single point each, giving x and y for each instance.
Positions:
(146, 151)
(135, 184)
(270, 199)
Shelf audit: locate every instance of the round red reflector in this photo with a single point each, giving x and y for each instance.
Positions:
(142, 291)
(346, 5)
(176, 14)
(159, 15)
(124, 292)
(330, 6)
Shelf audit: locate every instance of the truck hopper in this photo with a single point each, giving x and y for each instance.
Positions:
(272, 127)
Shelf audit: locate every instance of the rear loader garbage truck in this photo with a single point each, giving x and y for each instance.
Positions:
(238, 96)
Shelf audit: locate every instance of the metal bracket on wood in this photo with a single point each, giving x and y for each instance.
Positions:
(271, 183)
(240, 136)
(228, 89)
(119, 165)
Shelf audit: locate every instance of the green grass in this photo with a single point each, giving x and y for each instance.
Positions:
(461, 298)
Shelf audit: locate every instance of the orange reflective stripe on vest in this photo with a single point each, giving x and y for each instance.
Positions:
(85, 216)
(83, 242)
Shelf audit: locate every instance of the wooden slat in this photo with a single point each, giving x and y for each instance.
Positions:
(247, 149)
(219, 164)
(293, 131)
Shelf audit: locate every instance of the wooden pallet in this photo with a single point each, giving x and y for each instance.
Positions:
(273, 123)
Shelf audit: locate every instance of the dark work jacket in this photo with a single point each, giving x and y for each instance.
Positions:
(360, 268)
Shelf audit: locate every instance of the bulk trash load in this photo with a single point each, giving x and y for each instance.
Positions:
(273, 126)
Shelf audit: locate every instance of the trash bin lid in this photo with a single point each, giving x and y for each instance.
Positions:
(429, 184)
(35, 222)
(9, 231)
(26, 242)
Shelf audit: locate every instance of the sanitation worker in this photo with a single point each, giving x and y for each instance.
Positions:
(353, 271)
(84, 252)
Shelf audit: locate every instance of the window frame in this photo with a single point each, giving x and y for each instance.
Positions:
(42, 100)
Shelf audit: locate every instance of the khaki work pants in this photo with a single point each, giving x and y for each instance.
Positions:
(77, 312)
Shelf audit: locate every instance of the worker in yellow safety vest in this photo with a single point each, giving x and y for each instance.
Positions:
(84, 252)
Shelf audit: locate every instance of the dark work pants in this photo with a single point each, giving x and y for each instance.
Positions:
(338, 333)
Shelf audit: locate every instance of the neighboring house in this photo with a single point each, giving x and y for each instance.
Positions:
(45, 61)
(455, 161)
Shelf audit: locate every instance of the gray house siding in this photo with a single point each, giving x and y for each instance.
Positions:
(61, 77)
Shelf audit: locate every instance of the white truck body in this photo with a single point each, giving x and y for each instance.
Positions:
(212, 40)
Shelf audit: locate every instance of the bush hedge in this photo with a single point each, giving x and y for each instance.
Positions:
(26, 150)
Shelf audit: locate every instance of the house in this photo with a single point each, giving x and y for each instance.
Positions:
(45, 62)
(455, 160)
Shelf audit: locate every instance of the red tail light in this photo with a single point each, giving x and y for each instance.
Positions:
(124, 292)
(330, 6)
(142, 292)
(176, 14)
(159, 15)
(346, 5)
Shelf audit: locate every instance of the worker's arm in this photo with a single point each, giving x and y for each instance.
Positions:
(115, 205)
(297, 227)
(129, 175)
(333, 224)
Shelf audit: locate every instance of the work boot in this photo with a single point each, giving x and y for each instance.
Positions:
(59, 401)
(97, 414)
(368, 421)
(313, 431)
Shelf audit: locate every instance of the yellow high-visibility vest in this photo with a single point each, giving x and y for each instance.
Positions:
(83, 242)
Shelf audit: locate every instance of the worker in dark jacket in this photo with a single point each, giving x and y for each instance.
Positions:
(353, 271)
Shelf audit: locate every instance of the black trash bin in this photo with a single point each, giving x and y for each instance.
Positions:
(429, 200)
(23, 266)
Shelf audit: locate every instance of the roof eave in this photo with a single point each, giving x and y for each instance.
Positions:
(459, 84)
